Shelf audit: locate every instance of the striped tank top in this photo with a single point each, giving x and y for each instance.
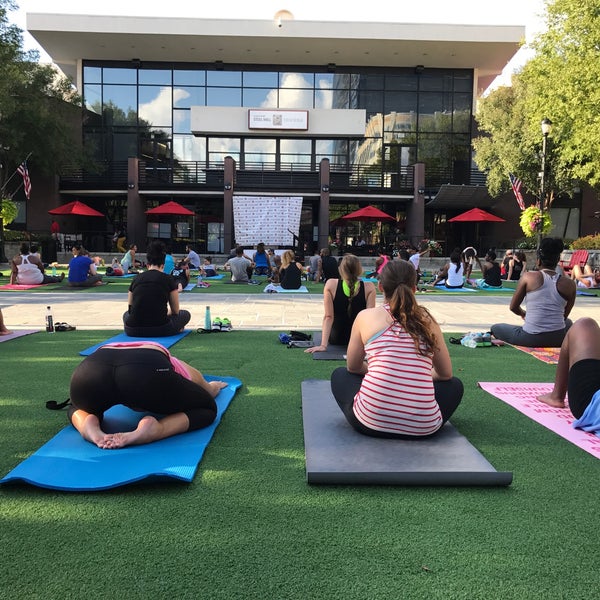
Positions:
(396, 394)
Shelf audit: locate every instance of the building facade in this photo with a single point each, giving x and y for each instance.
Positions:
(343, 115)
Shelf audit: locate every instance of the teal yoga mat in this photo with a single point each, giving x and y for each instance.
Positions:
(68, 463)
(166, 342)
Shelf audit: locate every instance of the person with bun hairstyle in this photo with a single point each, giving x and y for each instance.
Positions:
(549, 296)
(343, 299)
(398, 380)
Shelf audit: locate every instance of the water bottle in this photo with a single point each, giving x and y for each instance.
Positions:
(199, 280)
(53, 270)
(207, 319)
(49, 320)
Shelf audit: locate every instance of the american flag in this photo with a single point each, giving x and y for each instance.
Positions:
(515, 184)
(22, 169)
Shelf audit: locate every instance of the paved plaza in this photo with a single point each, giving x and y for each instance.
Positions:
(460, 312)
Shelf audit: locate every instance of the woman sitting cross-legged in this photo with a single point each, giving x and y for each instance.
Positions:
(290, 273)
(550, 297)
(398, 379)
(343, 299)
(144, 377)
(149, 295)
(452, 273)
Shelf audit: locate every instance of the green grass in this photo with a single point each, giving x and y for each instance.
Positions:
(249, 526)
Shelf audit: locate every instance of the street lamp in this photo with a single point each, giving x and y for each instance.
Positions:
(546, 129)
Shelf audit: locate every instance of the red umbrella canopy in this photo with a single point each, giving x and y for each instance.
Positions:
(474, 215)
(170, 208)
(76, 208)
(368, 213)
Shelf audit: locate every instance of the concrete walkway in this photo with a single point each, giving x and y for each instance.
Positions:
(455, 313)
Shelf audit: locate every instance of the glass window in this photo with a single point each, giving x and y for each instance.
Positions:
(124, 145)
(435, 112)
(92, 75)
(182, 120)
(263, 79)
(154, 76)
(185, 77)
(223, 96)
(430, 82)
(93, 98)
(185, 97)
(296, 151)
(259, 151)
(326, 80)
(370, 101)
(112, 75)
(296, 80)
(219, 148)
(224, 78)
(155, 105)
(289, 98)
(189, 148)
(332, 99)
(260, 98)
(462, 113)
(120, 105)
(463, 82)
(400, 102)
(372, 82)
(401, 82)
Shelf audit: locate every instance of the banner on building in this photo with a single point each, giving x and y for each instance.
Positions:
(273, 221)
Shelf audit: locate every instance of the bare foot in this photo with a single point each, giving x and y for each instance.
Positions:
(217, 386)
(551, 400)
(5, 332)
(91, 431)
(145, 432)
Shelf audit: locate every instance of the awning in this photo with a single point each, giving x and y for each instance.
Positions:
(461, 197)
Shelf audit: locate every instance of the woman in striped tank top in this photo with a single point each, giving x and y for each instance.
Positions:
(398, 377)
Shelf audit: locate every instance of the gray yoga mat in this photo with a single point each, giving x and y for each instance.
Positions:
(332, 352)
(337, 454)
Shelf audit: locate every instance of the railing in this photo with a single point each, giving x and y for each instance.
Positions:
(195, 174)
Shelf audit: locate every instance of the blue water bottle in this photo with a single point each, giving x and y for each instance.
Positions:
(207, 319)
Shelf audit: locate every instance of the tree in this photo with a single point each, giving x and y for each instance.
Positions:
(40, 112)
(559, 83)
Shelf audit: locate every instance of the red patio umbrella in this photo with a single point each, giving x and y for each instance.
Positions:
(170, 208)
(76, 208)
(475, 215)
(367, 214)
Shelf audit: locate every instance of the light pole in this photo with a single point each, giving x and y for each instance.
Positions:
(546, 129)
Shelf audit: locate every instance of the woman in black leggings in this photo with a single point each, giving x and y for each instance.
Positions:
(142, 376)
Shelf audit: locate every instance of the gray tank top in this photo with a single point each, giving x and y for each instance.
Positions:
(545, 307)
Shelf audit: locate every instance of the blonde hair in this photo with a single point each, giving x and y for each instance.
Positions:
(398, 279)
(287, 258)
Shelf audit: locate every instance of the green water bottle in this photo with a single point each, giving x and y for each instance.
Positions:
(207, 319)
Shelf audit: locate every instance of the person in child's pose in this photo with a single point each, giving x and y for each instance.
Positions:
(398, 378)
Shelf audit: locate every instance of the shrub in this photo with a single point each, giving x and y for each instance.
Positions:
(588, 242)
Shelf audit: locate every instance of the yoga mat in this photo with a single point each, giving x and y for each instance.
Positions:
(166, 342)
(462, 289)
(332, 352)
(522, 396)
(370, 279)
(219, 276)
(279, 290)
(189, 287)
(68, 463)
(24, 286)
(547, 355)
(337, 454)
(17, 334)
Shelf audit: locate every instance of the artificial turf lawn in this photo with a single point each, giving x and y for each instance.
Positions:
(249, 526)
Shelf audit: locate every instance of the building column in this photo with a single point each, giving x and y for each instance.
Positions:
(228, 186)
(136, 207)
(323, 224)
(415, 211)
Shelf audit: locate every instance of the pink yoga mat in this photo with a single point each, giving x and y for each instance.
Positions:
(522, 396)
(547, 355)
(19, 286)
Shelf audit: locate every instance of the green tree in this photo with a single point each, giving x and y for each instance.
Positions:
(560, 83)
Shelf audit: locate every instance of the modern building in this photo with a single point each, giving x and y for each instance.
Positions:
(209, 112)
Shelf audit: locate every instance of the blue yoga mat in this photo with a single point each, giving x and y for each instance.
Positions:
(68, 463)
(462, 289)
(218, 276)
(166, 342)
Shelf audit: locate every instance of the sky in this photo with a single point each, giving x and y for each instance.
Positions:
(485, 12)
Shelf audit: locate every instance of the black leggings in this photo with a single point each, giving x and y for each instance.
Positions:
(141, 379)
(584, 382)
(345, 386)
(173, 326)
